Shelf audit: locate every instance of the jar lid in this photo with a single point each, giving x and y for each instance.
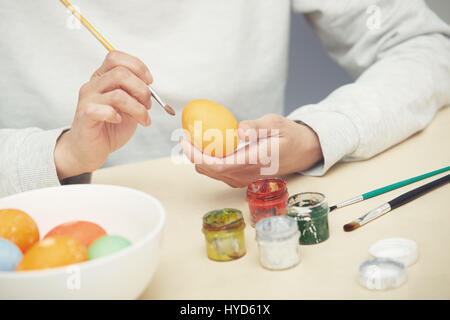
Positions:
(398, 249)
(303, 212)
(276, 228)
(223, 219)
(305, 204)
(266, 189)
(381, 274)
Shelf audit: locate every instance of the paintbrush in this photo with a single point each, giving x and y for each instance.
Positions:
(385, 189)
(396, 202)
(109, 47)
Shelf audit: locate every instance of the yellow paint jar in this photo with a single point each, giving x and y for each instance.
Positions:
(224, 234)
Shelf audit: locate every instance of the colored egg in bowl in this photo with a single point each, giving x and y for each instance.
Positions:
(125, 212)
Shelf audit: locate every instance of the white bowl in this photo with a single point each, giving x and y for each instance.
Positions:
(132, 214)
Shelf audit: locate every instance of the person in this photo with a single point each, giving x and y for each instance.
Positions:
(232, 52)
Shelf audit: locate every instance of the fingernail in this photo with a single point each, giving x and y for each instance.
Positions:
(118, 117)
(148, 76)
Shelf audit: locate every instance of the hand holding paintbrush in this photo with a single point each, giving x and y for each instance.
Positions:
(110, 106)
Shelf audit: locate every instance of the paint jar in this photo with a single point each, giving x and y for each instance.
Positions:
(381, 274)
(224, 234)
(266, 198)
(277, 239)
(311, 211)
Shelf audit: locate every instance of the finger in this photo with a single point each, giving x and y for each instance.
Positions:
(266, 126)
(120, 100)
(195, 155)
(235, 161)
(232, 183)
(117, 58)
(102, 113)
(241, 166)
(121, 77)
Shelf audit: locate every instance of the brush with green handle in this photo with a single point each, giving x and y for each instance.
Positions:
(388, 188)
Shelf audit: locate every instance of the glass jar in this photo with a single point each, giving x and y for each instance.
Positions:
(311, 211)
(266, 198)
(224, 234)
(277, 239)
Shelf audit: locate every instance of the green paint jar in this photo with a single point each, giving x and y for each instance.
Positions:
(311, 211)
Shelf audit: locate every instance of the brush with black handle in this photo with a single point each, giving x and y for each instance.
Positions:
(395, 203)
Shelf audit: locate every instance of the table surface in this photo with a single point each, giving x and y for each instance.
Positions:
(327, 270)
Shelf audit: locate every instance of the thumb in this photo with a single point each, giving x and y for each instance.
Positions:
(264, 127)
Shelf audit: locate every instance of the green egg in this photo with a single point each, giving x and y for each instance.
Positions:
(107, 245)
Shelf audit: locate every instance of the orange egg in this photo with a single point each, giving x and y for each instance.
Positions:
(19, 228)
(211, 127)
(84, 231)
(53, 252)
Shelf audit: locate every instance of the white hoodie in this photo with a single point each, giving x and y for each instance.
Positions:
(233, 52)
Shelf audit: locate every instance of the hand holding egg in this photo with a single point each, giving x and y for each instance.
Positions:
(277, 146)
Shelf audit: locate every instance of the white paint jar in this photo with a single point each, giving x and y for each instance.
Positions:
(277, 239)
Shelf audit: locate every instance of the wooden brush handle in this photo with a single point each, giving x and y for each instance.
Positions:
(88, 26)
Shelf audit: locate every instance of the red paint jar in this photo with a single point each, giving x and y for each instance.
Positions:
(266, 198)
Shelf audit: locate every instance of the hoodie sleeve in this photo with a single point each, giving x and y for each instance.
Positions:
(27, 160)
(399, 53)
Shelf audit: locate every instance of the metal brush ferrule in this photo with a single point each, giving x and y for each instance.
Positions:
(375, 213)
(156, 96)
(350, 201)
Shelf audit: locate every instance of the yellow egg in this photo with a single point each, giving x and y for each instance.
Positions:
(19, 228)
(53, 252)
(211, 127)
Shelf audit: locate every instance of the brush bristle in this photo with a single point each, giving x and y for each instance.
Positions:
(351, 226)
(169, 110)
(332, 208)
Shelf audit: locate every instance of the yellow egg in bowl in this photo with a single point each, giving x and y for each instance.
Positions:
(133, 214)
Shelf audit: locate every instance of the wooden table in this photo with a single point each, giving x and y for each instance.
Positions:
(327, 270)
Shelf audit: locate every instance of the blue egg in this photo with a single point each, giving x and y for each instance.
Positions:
(10, 255)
